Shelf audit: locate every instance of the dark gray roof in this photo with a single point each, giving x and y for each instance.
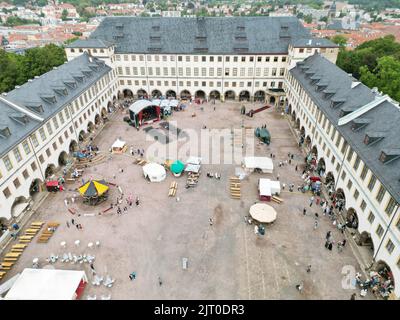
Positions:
(90, 43)
(315, 42)
(382, 120)
(219, 35)
(61, 85)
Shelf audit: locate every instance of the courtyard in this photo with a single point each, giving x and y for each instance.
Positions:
(226, 260)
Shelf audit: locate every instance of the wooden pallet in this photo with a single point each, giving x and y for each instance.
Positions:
(235, 187)
(172, 189)
(46, 233)
(276, 199)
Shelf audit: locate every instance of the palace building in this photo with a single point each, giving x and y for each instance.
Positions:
(351, 129)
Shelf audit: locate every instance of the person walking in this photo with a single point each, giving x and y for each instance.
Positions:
(299, 287)
(210, 220)
(315, 224)
(330, 246)
(132, 276)
(353, 296)
(311, 201)
(92, 268)
(304, 211)
(67, 224)
(137, 201)
(73, 221)
(159, 281)
(308, 268)
(295, 168)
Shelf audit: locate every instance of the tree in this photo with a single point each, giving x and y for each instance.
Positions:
(340, 40)
(64, 15)
(324, 19)
(308, 18)
(386, 76)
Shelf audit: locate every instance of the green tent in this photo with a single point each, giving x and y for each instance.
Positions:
(177, 167)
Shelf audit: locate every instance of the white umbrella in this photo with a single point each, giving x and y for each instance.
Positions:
(263, 213)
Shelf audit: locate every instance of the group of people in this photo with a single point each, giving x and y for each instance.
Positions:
(138, 152)
(129, 203)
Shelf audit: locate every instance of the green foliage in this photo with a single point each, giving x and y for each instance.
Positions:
(340, 40)
(13, 21)
(386, 76)
(64, 15)
(367, 54)
(308, 18)
(17, 69)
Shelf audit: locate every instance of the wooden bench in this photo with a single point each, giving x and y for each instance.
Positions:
(37, 223)
(12, 255)
(7, 264)
(11, 259)
(19, 246)
(276, 199)
(16, 250)
(26, 237)
(24, 241)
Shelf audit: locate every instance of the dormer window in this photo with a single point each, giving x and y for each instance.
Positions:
(21, 118)
(5, 132)
(374, 137)
(35, 107)
(389, 155)
(360, 123)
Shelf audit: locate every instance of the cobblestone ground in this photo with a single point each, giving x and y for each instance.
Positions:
(226, 260)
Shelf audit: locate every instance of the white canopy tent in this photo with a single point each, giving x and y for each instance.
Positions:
(46, 284)
(154, 172)
(119, 146)
(140, 105)
(267, 188)
(265, 164)
(194, 160)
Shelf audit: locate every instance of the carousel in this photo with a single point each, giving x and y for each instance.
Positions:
(94, 192)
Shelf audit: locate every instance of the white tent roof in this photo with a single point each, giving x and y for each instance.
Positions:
(46, 284)
(154, 171)
(118, 144)
(264, 163)
(267, 186)
(139, 105)
(194, 160)
(192, 168)
(168, 103)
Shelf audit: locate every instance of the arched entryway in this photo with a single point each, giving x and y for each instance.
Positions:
(63, 159)
(215, 95)
(128, 93)
(365, 240)
(387, 282)
(120, 95)
(73, 146)
(298, 123)
(314, 151)
(200, 94)
(294, 115)
(50, 170)
(330, 181)
(259, 96)
(114, 98)
(155, 94)
(272, 100)
(230, 95)
(90, 127)
(244, 96)
(321, 167)
(97, 119)
(35, 188)
(142, 94)
(352, 218)
(110, 106)
(171, 94)
(303, 131)
(339, 199)
(19, 205)
(103, 113)
(185, 94)
(308, 141)
(82, 135)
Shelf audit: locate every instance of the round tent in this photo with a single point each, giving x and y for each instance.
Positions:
(94, 191)
(177, 167)
(154, 172)
(263, 213)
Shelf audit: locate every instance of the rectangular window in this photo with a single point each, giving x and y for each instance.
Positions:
(42, 134)
(363, 205)
(7, 193)
(26, 147)
(356, 163)
(343, 175)
(17, 154)
(25, 174)
(48, 152)
(55, 122)
(16, 183)
(349, 184)
(356, 194)
(381, 194)
(7, 163)
(33, 166)
(390, 246)
(371, 183)
(364, 172)
(371, 217)
(379, 231)
(390, 207)
(49, 128)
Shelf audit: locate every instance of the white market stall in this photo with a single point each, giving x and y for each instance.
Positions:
(267, 188)
(119, 146)
(264, 164)
(263, 213)
(48, 284)
(154, 172)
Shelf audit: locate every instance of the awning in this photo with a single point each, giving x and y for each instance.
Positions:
(177, 166)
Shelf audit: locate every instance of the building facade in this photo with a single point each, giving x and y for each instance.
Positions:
(353, 132)
(242, 58)
(44, 120)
